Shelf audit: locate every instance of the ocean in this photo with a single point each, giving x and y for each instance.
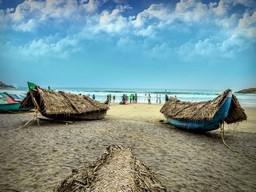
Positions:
(246, 100)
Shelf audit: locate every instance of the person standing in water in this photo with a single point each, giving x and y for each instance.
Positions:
(149, 99)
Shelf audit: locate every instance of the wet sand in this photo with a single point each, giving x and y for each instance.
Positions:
(36, 158)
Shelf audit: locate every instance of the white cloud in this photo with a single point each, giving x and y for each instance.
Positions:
(42, 11)
(221, 9)
(212, 47)
(148, 31)
(155, 11)
(60, 9)
(2, 17)
(108, 17)
(185, 10)
(159, 11)
(232, 45)
(26, 27)
(138, 21)
(50, 46)
(227, 30)
(127, 43)
(200, 48)
(247, 25)
(113, 21)
(91, 5)
(190, 11)
(229, 22)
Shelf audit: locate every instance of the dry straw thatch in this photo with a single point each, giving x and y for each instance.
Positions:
(198, 111)
(65, 105)
(27, 101)
(116, 170)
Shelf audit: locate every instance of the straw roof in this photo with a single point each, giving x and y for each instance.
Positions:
(52, 102)
(27, 101)
(116, 170)
(236, 112)
(197, 111)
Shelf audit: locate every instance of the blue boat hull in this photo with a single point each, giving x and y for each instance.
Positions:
(204, 125)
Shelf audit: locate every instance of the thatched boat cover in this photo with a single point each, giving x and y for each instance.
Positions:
(27, 101)
(64, 103)
(197, 111)
(116, 170)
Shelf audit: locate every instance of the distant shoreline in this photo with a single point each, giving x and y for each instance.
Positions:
(4, 86)
(247, 91)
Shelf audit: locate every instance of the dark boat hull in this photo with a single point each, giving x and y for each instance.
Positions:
(83, 116)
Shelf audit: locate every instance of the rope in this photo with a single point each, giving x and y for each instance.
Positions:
(224, 142)
(34, 117)
(222, 137)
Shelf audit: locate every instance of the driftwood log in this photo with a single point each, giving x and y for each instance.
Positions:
(116, 170)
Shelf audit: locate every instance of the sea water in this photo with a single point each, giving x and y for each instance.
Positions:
(246, 100)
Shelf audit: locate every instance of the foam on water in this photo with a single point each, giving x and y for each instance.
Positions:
(246, 100)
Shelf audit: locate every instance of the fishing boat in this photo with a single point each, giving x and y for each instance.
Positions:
(63, 106)
(8, 104)
(15, 97)
(204, 116)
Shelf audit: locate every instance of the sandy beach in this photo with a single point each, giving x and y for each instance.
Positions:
(37, 158)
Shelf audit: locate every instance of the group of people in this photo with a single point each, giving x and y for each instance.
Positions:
(158, 98)
(133, 98)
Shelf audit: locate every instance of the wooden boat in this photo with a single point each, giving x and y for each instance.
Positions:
(8, 104)
(15, 97)
(64, 106)
(204, 116)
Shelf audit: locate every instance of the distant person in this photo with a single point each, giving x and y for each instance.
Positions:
(126, 98)
(166, 98)
(159, 99)
(93, 96)
(136, 98)
(149, 99)
(108, 100)
(131, 98)
(156, 98)
(114, 98)
(123, 99)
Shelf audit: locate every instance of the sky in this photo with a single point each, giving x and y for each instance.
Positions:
(178, 44)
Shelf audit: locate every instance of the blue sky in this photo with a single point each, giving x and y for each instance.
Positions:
(186, 44)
